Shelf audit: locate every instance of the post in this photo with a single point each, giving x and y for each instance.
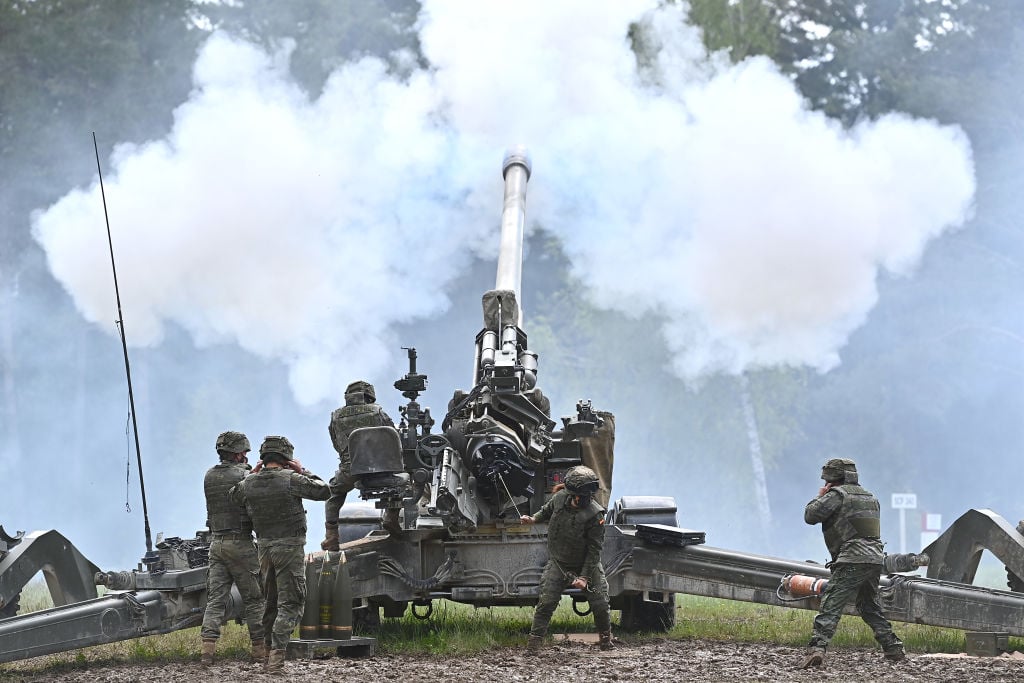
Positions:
(903, 530)
(904, 502)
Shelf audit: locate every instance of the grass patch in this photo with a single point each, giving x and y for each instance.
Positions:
(35, 596)
(460, 629)
(456, 629)
(728, 620)
(176, 647)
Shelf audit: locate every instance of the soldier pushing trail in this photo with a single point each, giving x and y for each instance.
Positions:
(849, 517)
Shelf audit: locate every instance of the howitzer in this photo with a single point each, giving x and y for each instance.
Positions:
(500, 431)
(498, 454)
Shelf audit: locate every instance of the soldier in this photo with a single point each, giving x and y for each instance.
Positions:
(849, 518)
(575, 539)
(232, 553)
(273, 495)
(360, 410)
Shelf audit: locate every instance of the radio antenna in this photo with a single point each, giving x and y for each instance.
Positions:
(150, 555)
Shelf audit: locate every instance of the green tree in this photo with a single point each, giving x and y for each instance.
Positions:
(68, 68)
(933, 376)
(325, 33)
(743, 28)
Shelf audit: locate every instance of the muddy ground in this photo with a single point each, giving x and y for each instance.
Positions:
(691, 660)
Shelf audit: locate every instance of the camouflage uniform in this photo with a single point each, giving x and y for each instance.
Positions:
(232, 552)
(849, 518)
(575, 540)
(273, 499)
(359, 411)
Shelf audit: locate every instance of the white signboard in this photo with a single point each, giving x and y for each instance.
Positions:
(904, 501)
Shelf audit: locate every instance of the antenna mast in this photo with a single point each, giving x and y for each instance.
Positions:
(150, 555)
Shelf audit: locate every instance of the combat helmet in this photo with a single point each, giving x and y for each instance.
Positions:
(277, 445)
(360, 389)
(839, 470)
(232, 442)
(581, 481)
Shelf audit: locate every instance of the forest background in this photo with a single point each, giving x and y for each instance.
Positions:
(923, 392)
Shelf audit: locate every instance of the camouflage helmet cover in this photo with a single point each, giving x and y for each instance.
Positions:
(277, 444)
(836, 469)
(581, 480)
(361, 387)
(233, 442)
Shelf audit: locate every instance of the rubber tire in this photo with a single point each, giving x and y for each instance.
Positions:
(655, 617)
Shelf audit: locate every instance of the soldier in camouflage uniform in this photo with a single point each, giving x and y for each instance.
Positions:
(232, 552)
(849, 518)
(575, 539)
(360, 410)
(273, 495)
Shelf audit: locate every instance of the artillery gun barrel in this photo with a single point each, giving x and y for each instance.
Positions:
(516, 171)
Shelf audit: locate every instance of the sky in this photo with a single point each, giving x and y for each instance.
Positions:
(281, 224)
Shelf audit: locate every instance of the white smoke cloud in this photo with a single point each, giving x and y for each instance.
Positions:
(703, 191)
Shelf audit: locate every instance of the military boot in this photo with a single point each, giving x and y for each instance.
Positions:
(209, 647)
(331, 541)
(895, 653)
(534, 644)
(605, 640)
(814, 657)
(275, 661)
(259, 651)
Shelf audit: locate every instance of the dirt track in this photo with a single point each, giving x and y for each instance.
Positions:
(674, 661)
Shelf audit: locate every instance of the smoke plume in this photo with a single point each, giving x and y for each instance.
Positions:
(709, 193)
